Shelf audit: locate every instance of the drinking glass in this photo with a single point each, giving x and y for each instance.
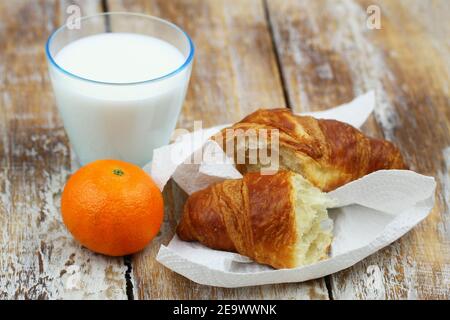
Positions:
(119, 120)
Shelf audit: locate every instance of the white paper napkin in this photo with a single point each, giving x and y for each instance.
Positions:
(372, 212)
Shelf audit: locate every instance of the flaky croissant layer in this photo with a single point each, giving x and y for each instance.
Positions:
(328, 153)
(280, 220)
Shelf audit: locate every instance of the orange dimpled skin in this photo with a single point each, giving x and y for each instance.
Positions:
(112, 207)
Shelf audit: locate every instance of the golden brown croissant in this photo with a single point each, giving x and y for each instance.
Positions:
(280, 220)
(328, 153)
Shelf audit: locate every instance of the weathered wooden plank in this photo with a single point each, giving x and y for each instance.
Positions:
(234, 73)
(327, 56)
(38, 257)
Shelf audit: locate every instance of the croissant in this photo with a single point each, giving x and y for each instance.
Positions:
(328, 153)
(280, 220)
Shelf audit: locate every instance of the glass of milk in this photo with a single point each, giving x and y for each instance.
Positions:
(119, 80)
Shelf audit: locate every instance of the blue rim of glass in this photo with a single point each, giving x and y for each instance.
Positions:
(186, 63)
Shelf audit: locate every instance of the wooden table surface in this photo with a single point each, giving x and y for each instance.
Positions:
(301, 54)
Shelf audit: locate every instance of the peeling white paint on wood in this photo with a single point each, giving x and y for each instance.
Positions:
(39, 259)
(411, 80)
(365, 60)
(327, 56)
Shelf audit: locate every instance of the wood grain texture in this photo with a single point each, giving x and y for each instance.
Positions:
(328, 56)
(235, 72)
(39, 259)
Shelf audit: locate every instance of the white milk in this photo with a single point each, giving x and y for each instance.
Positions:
(124, 122)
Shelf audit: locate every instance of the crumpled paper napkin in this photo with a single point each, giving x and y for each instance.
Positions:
(371, 212)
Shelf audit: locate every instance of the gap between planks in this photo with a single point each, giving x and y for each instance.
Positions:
(287, 99)
(127, 260)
